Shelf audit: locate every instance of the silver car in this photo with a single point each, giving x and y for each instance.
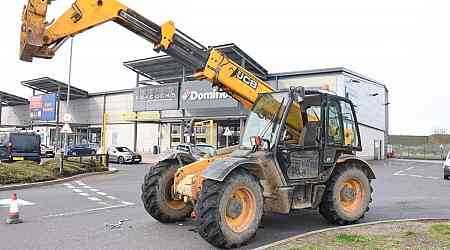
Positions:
(123, 155)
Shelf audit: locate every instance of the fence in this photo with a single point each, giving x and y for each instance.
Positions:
(425, 151)
(89, 163)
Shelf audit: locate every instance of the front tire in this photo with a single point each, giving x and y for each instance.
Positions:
(229, 212)
(347, 195)
(446, 177)
(120, 160)
(156, 194)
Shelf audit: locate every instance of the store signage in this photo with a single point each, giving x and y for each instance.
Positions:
(141, 116)
(201, 95)
(154, 98)
(43, 107)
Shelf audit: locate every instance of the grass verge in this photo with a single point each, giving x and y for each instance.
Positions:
(406, 235)
(30, 172)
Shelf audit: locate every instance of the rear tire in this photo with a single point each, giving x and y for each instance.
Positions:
(229, 212)
(347, 195)
(156, 194)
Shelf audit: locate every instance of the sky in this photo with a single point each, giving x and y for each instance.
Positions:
(403, 44)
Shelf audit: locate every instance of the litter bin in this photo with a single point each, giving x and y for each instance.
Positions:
(155, 149)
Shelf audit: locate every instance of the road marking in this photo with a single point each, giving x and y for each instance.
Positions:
(87, 187)
(7, 202)
(94, 199)
(72, 187)
(101, 193)
(83, 194)
(79, 182)
(127, 203)
(94, 190)
(111, 197)
(103, 203)
(77, 190)
(86, 211)
(398, 173)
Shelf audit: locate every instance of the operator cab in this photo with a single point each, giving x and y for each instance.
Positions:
(306, 130)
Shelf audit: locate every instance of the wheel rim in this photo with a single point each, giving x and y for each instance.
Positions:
(351, 195)
(173, 204)
(240, 210)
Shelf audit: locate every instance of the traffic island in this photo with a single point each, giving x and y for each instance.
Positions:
(28, 172)
(426, 234)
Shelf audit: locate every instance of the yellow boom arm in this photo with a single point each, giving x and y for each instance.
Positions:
(42, 39)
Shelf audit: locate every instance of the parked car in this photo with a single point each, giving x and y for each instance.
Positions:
(201, 149)
(80, 150)
(447, 167)
(20, 146)
(123, 155)
(47, 152)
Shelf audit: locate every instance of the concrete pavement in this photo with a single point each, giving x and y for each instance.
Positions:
(80, 215)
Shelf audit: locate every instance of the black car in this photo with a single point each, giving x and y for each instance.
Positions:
(80, 150)
(20, 146)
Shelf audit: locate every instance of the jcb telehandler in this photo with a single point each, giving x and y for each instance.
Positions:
(297, 150)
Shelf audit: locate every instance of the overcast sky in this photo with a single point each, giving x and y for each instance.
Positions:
(403, 44)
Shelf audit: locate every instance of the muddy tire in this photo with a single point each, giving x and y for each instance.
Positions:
(156, 194)
(347, 196)
(229, 212)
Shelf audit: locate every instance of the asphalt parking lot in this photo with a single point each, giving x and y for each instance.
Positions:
(105, 212)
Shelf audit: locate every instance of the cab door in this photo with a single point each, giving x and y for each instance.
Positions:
(341, 130)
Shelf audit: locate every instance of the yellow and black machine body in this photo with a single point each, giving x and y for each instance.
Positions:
(297, 150)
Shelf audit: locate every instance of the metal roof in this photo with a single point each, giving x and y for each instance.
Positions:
(165, 69)
(323, 71)
(49, 85)
(12, 100)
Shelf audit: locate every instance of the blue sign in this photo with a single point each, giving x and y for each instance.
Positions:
(43, 107)
(48, 107)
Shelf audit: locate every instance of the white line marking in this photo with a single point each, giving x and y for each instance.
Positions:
(80, 183)
(418, 176)
(94, 190)
(85, 211)
(103, 203)
(94, 199)
(87, 187)
(111, 197)
(433, 178)
(127, 203)
(101, 193)
(83, 194)
(410, 168)
(398, 172)
(66, 184)
(7, 202)
(77, 190)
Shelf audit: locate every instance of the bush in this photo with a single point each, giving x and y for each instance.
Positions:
(29, 172)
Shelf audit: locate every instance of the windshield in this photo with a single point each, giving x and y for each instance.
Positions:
(265, 118)
(25, 142)
(123, 149)
(206, 149)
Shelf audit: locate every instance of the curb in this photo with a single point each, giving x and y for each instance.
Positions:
(281, 242)
(58, 181)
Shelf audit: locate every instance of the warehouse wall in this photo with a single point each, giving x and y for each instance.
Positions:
(370, 139)
(147, 137)
(120, 135)
(16, 115)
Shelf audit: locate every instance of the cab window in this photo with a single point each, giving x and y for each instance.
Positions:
(350, 134)
(335, 131)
